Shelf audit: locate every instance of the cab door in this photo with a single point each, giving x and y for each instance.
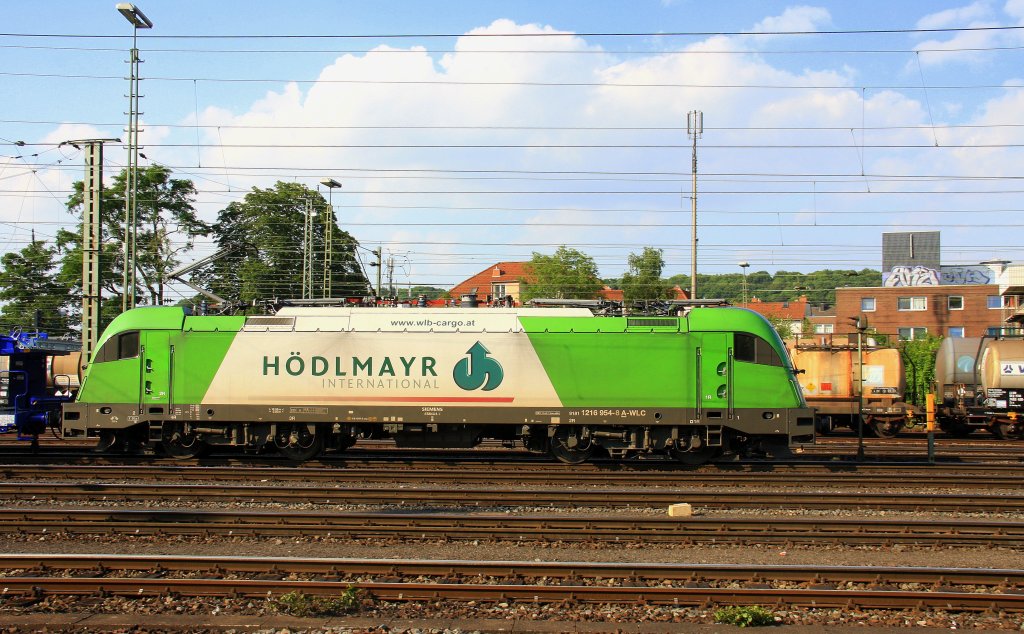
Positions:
(714, 387)
(156, 367)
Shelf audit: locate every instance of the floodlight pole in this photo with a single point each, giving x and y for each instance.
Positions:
(744, 265)
(694, 128)
(330, 183)
(138, 21)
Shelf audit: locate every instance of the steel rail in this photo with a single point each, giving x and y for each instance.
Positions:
(489, 497)
(979, 478)
(1007, 580)
(38, 587)
(520, 528)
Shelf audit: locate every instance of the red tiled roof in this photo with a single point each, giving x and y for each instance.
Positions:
(501, 272)
(793, 311)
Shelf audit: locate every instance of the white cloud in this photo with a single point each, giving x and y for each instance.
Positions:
(801, 18)
(1015, 9)
(956, 17)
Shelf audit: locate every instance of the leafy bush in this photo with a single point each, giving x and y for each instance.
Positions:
(301, 605)
(745, 616)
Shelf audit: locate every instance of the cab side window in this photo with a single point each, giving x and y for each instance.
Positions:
(124, 345)
(753, 349)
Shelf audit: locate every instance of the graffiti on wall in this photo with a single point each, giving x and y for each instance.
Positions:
(967, 275)
(910, 276)
(918, 275)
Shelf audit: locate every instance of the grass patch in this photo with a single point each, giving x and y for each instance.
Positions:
(745, 616)
(302, 605)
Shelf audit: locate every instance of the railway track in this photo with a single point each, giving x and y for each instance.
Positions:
(504, 497)
(32, 577)
(843, 448)
(978, 477)
(503, 527)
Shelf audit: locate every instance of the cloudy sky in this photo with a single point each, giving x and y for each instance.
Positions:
(466, 133)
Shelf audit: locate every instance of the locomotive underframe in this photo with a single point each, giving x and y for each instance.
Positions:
(575, 432)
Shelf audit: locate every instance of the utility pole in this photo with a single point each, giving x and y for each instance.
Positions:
(92, 246)
(380, 264)
(391, 277)
(694, 128)
(861, 326)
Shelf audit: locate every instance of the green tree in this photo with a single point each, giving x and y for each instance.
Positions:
(265, 233)
(568, 274)
(919, 367)
(31, 291)
(166, 228)
(642, 282)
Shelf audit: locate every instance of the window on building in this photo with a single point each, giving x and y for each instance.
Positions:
(955, 302)
(498, 290)
(913, 332)
(994, 301)
(912, 303)
(867, 304)
(956, 331)
(824, 329)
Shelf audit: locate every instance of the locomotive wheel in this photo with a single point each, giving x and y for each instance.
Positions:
(695, 456)
(563, 451)
(182, 446)
(305, 446)
(883, 428)
(108, 439)
(1006, 431)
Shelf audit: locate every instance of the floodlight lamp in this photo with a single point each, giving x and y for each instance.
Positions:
(134, 15)
(329, 182)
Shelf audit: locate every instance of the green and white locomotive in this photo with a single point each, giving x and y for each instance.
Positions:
(558, 379)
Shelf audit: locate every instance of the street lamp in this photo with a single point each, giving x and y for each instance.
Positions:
(744, 265)
(330, 184)
(138, 21)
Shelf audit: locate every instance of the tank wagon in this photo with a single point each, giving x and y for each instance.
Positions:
(559, 380)
(828, 369)
(979, 384)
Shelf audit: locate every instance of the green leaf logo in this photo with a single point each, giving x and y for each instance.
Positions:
(477, 369)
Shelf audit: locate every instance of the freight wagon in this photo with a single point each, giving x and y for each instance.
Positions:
(830, 370)
(693, 386)
(979, 384)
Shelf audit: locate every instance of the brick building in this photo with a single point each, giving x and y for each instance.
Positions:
(911, 312)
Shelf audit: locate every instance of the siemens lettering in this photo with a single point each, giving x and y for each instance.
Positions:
(296, 365)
